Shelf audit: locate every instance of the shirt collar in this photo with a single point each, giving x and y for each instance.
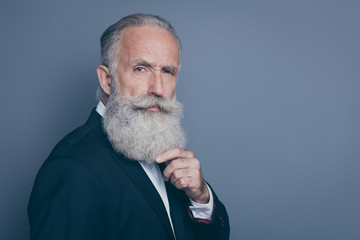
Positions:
(101, 108)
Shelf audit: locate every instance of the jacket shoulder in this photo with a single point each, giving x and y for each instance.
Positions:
(81, 142)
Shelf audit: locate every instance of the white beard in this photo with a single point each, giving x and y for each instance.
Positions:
(140, 134)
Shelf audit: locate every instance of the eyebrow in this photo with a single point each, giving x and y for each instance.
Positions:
(141, 62)
(144, 63)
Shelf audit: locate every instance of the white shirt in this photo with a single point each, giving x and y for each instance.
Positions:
(152, 170)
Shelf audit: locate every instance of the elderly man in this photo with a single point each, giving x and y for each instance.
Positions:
(125, 173)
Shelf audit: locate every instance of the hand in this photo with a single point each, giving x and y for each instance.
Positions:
(184, 172)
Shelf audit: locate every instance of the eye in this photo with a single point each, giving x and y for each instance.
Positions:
(169, 72)
(139, 69)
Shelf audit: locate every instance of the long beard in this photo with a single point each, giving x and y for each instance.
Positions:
(140, 134)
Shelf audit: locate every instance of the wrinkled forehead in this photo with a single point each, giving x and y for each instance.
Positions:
(150, 38)
(147, 28)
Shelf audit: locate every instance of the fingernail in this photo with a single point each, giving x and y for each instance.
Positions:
(157, 159)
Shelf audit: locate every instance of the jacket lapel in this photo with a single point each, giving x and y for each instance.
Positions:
(138, 176)
(135, 173)
(175, 197)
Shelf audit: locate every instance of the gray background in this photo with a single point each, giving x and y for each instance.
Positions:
(271, 95)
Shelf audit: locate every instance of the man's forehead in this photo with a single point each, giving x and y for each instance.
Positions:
(147, 33)
(147, 42)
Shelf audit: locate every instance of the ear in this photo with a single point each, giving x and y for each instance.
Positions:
(104, 78)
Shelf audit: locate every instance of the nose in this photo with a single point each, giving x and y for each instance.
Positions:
(156, 86)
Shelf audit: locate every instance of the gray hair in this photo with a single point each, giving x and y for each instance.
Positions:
(110, 38)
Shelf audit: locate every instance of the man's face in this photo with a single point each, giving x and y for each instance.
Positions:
(148, 63)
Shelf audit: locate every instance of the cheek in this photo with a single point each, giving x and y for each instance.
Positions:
(134, 91)
(131, 86)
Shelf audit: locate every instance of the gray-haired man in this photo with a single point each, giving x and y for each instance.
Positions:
(125, 174)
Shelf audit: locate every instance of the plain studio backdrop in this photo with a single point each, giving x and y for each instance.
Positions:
(271, 96)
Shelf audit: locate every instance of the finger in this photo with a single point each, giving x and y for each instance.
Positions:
(181, 173)
(174, 153)
(181, 163)
(183, 183)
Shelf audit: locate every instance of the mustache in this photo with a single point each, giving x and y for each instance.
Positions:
(165, 105)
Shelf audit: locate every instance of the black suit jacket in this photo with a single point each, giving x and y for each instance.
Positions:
(85, 190)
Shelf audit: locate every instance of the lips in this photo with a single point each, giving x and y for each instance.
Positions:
(153, 109)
